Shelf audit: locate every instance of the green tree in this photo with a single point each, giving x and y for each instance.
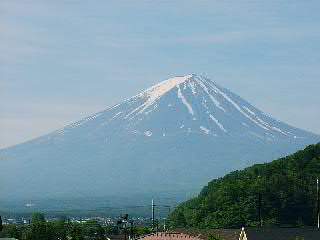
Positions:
(37, 217)
(60, 229)
(11, 231)
(77, 232)
(40, 229)
(287, 187)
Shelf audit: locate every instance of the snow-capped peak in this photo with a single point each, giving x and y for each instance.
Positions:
(194, 101)
(162, 88)
(157, 91)
(203, 99)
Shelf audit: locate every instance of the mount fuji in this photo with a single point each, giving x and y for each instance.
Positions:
(174, 136)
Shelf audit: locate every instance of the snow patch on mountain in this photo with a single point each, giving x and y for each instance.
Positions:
(192, 87)
(215, 101)
(162, 88)
(239, 108)
(204, 129)
(249, 111)
(156, 92)
(148, 133)
(184, 101)
(217, 122)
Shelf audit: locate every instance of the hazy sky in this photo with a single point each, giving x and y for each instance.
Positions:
(63, 60)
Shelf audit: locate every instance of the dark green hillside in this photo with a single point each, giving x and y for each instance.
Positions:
(287, 187)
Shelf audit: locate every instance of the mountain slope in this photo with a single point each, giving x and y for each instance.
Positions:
(174, 136)
(288, 195)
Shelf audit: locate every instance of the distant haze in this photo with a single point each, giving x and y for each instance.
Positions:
(64, 60)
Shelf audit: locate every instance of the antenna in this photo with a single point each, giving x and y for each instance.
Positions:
(164, 225)
(152, 207)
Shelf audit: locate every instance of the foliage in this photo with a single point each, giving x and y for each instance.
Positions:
(287, 187)
(137, 231)
(37, 218)
(214, 237)
(11, 231)
(40, 229)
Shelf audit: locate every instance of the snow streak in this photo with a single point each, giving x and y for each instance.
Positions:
(184, 101)
(218, 123)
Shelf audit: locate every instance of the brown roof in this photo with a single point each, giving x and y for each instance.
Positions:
(225, 234)
(259, 233)
(168, 236)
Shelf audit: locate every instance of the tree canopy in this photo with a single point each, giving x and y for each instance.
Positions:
(287, 190)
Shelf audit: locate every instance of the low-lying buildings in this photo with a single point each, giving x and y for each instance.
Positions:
(238, 234)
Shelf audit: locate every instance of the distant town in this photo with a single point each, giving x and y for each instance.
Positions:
(104, 221)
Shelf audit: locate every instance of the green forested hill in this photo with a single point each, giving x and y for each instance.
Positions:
(287, 187)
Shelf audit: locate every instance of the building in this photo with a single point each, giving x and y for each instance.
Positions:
(169, 236)
(273, 233)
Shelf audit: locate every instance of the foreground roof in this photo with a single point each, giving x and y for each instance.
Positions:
(259, 233)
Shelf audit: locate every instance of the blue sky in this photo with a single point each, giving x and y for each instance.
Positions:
(63, 60)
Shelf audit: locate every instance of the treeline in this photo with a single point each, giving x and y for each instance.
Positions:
(282, 192)
(40, 229)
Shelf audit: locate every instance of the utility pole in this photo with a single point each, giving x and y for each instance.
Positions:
(318, 206)
(122, 224)
(1, 224)
(131, 230)
(164, 226)
(152, 207)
